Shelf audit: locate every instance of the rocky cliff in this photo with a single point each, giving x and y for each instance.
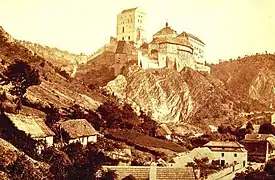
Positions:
(200, 99)
(188, 98)
(251, 77)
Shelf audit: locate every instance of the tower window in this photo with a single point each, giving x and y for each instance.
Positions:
(122, 29)
(129, 37)
(123, 38)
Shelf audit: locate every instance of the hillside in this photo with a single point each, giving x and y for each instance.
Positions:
(55, 88)
(16, 165)
(249, 78)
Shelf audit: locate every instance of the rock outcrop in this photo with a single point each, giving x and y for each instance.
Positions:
(188, 97)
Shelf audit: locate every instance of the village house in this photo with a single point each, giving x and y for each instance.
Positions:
(164, 132)
(35, 127)
(182, 159)
(78, 130)
(229, 153)
(260, 147)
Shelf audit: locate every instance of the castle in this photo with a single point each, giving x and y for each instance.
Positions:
(167, 49)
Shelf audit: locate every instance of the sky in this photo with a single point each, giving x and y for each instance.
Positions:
(229, 28)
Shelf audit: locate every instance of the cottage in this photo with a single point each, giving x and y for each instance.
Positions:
(78, 130)
(228, 152)
(35, 127)
(260, 147)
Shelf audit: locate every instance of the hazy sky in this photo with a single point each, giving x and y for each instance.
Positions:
(230, 28)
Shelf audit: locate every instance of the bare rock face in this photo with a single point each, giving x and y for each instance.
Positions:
(163, 94)
(262, 87)
(182, 99)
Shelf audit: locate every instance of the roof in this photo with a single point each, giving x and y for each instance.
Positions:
(256, 127)
(180, 173)
(129, 10)
(258, 137)
(124, 48)
(229, 144)
(202, 152)
(171, 40)
(162, 173)
(185, 34)
(183, 160)
(165, 128)
(167, 30)
(78, 128)
(33, 125)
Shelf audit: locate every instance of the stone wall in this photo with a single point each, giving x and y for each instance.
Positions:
(224, 172)
(54, 54)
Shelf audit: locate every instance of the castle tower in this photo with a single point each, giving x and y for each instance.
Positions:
(131, 26)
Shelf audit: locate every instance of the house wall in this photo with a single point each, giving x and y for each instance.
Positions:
(49, 141)
(84, 140)
(230, 158)
(256, 150)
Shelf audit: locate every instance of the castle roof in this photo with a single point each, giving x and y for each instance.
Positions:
(185, 34)
(129, 10)
(172, 40)
(167, 30)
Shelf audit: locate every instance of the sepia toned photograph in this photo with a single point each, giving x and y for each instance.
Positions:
(137, 90)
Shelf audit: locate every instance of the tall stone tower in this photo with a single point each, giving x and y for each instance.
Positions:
(131, 26)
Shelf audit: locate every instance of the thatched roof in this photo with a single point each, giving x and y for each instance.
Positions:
(77, 128)
(33, 125)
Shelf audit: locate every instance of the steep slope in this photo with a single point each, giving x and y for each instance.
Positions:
(249, 78)
(16, 165)
(185, 98)
(55, 88)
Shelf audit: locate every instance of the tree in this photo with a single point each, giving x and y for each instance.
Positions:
(22, 75)
(267, 128)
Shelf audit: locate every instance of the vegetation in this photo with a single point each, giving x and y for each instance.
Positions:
(138, 139)
(267, 173)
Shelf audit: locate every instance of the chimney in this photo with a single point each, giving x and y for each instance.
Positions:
(166, 24)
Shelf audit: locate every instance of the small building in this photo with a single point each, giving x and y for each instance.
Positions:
(182, 159)
(260, 147)
(229, 153)
(164, 131)
(35, 127)
(78, 130)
